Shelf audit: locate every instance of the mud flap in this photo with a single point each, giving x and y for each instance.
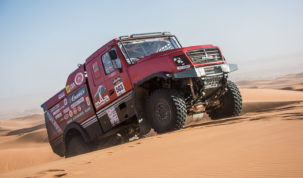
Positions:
(145, 126)
(137, 98)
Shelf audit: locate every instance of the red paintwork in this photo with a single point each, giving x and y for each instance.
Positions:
(130, 74)
(162, 62)
(106, 80)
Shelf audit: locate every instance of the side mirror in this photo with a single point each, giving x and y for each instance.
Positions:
(113, 55)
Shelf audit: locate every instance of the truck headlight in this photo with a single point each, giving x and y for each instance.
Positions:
(182, 62)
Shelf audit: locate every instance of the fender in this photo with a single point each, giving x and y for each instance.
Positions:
(164, 75)
(79, 128)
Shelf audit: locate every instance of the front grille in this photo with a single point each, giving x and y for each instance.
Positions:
(212, 70)
(204, 55)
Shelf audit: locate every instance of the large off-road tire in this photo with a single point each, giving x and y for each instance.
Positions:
(76, 146)
(231, 103)
(166, 110)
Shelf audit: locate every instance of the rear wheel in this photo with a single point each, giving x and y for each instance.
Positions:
(76, 146)
(166, 110)
(231, 103)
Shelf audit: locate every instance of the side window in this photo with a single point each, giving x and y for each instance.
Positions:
(109, 64)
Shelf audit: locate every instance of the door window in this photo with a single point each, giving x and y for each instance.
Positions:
(109, 64)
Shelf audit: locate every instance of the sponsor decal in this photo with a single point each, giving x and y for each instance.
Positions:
(78, 94)
(100, 92)
(113, 116)
(56, 112)
(58, 116)
(87, 101)
(66, 110)
(102, 101)
(61, 95)
(75, 104)
(120, 89)
(55, 107)
(70, 87)
(117, 80)
(70, 113)
(66, 116)
(83, 105)
(65, 101)
(99, 99)
(79, 108)
(67, 88)
(79, 78)
(75, 111)
(81, 114)
(118, 85)
(95, 67)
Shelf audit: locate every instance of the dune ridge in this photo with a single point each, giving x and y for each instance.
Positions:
(292, 82)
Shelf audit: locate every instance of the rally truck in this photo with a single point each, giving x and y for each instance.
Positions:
(137, 83)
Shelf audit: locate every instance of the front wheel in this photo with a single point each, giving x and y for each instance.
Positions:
(166, 110)
(231, 103)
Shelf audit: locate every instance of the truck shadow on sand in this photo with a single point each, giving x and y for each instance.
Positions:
(267, 106)
(50, 173)
(252, 114)
(292, 116)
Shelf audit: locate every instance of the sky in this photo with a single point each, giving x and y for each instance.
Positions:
(41, 42)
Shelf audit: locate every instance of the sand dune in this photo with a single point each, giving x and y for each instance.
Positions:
(17, 157)
(265, 141)
(25, 130)
(289, 82)
(266, 144)
(21, 123)
(24, 143)
(270, 95)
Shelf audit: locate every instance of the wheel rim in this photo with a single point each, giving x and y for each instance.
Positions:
(162, 112)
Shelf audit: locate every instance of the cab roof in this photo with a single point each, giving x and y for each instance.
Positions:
(126, 38)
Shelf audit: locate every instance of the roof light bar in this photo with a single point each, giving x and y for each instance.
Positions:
(144, 35)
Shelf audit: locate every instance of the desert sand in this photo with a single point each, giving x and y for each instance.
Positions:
(24, 143)
(264, 141)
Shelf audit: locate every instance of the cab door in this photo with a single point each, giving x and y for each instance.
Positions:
(111, 91)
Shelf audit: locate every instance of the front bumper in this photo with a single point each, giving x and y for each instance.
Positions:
(206, 71)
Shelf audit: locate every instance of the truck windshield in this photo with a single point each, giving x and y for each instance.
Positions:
(134, 50)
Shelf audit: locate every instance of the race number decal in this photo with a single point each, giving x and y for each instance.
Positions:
(118, 85)
(113, 116)
(119, 88)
